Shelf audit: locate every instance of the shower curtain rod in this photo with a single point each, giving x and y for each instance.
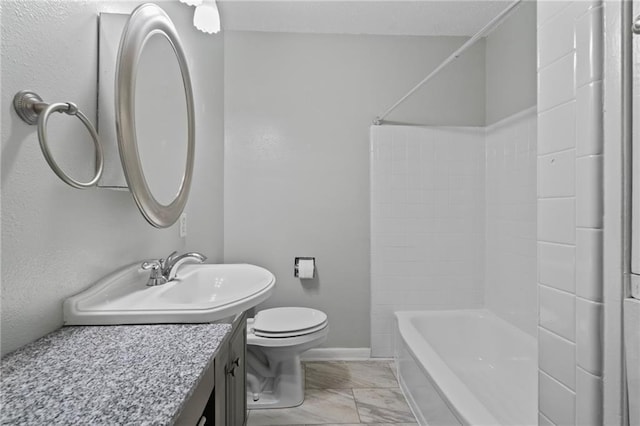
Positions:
(486, 29)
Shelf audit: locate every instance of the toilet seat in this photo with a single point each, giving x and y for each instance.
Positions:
(285, 322)
(298, 342)
(290, 333)
(287, 328)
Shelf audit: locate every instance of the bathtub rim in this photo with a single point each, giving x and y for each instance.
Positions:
(460, 400)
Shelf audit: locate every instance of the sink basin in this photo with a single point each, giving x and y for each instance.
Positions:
(200, 293)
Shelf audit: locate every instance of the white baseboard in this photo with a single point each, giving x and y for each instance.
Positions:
(336, 354)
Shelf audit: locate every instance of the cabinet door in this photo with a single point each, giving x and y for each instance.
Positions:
(635, 134)
(220, 396)
(236, 377)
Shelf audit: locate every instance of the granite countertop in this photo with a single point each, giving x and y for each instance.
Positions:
(134, 374)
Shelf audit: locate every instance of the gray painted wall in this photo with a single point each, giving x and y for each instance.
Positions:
(57, 240)
(297, 113)
(511, 64)
(289, 191)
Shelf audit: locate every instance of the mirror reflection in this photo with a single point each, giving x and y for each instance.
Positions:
(161, 119)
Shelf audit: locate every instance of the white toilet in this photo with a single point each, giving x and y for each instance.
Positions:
(275, 340)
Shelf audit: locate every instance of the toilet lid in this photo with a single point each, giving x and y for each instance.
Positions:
(277, 321)
(290, 333)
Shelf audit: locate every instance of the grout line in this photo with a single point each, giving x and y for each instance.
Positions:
(598, 155)
(550, 110)
(541, 414)
(557, 289)
(541, 25)
(570, 197)
(589, 83)
(557, 197)
(595, 376)
(541, 327)
(355, 402)
(596, 302)
(588, 228)
(562, 151)
(551, 243)
(554, 62)
(557, 243)
(557, 381)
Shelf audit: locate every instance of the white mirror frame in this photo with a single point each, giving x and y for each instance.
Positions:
(145, 21)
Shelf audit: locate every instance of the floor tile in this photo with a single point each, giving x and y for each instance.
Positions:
(349, 374)
(382, 406)
(390, 424)
(321, 406)
(392, 366)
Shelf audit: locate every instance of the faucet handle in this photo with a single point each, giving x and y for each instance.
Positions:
(156, 277)
(152, 265)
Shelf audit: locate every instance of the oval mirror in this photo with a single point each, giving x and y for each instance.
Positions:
(155, 120)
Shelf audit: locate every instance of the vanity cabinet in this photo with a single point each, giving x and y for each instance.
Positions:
(237, 377)
(222, 391)
(230, 375)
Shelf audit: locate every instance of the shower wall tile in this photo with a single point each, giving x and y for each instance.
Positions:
(588, 399)
(510, 191)
(549, 9)
(556, 402)
(427, 223)
(588, 264)
(589, 335)
(557, 357)
(558, 312)
(557, 266)
(589, 192)
(570, 102)
(557, 174)
(556, 40)
(557, 220)
(557, 129)
(589, 134)
(559, 78)
(588, 37)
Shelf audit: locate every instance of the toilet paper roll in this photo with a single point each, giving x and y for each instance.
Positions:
(306, 268)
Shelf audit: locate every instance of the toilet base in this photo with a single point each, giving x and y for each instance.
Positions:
(284, 390)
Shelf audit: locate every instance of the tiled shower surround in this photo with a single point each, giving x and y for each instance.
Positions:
(570, 212)
(427, 223)
(417, 267)
(510, 269)
(453, 222)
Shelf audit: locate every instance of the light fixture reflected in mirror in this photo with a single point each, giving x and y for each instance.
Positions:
(206, 17)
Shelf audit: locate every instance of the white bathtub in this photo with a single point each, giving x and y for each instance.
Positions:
(466, 367)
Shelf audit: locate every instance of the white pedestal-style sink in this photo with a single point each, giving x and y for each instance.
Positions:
(200, 293)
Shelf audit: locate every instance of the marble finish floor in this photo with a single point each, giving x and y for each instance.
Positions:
(344, 393)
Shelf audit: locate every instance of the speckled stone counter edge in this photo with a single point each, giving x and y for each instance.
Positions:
(138, 374)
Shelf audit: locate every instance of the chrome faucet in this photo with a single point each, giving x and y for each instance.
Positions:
(165, 270)
(173, 262)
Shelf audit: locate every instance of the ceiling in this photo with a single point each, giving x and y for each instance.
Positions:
(420, 18)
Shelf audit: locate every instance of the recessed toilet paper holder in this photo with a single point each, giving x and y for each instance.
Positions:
(296, 266)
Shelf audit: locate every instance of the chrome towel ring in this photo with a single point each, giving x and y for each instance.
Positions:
(32, 110)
